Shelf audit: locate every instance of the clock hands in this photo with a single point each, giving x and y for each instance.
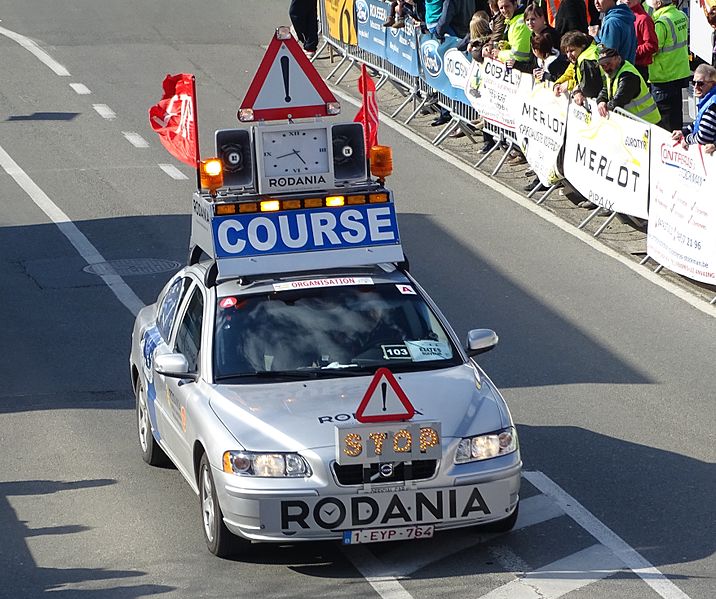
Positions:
(291, 153)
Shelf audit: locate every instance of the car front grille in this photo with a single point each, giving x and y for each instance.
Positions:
(357, 474)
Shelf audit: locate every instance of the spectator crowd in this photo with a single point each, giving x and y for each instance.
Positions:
(623, 54)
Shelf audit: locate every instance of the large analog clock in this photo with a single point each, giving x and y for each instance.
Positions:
(295, 152)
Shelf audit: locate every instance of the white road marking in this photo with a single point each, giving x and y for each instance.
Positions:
(607, 537)
(370, 567)
(104, 111)
(135, 139)
(533, 510)
(561, 577)
(648, 274)
(33, 48)
(173, 172)
(83, 246)
(80, 88)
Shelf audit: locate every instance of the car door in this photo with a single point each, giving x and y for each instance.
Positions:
(186, 340)
(155, 341)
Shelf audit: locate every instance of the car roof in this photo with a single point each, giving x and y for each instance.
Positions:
(379, 273)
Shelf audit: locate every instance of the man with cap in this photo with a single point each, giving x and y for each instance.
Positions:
(624, 88)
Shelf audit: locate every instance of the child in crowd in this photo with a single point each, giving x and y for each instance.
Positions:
(551, 63)
(399, 10)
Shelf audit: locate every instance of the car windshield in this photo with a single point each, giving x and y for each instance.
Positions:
(328, 331)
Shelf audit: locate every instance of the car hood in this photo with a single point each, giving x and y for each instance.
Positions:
(291, 416)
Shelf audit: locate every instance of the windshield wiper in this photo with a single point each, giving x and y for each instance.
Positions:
(301, 375)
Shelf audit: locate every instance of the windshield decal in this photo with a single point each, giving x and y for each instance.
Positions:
(426, 349)
(330, 282)
(406, 289)
(395, 352)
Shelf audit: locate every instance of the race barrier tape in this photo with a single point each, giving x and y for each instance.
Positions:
(619, 163)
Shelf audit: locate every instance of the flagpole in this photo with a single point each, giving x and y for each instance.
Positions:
(196, 132)
(364, 110)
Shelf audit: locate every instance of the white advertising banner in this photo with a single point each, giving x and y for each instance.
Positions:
(607, 160)
(682, 215)
(701, 35)
(496, 98)
(541, 121)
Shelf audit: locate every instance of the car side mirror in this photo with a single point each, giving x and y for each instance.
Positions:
(174, 366)
(480, 341)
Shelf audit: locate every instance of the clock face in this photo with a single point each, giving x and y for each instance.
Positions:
(295, 152)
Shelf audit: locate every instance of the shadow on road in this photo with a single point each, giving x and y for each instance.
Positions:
(20, 576)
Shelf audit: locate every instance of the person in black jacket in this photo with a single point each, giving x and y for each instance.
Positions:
(304, 18)
(573, 15)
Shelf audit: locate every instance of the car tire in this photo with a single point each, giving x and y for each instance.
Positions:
(152, 453)
(219, 540)
(504, 525)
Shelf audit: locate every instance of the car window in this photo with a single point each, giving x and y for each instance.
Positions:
(329, 328)
(170, 303)
(188, 341)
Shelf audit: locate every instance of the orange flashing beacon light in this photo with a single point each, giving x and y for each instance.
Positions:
(381, 161)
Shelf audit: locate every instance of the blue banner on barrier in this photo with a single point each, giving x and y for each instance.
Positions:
(401, 48)
(445, 68)
(370, 16)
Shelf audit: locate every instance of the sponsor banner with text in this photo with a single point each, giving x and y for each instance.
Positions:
(682, 214)
(401, 47)
(340, 19)
(496, 98)
(607, 160)
(445, 68)
(540, 127)
(370, 16)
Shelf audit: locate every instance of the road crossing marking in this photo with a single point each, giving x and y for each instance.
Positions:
(173, 172)
(33, 48)
(561, 577)
(606, 536)
(80, 88)
(104, 111)
(135, 139)
(550, 582)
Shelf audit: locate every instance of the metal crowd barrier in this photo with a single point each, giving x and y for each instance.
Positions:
(421, 94)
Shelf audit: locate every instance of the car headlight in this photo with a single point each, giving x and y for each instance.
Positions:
(270, 465)
(484, 447)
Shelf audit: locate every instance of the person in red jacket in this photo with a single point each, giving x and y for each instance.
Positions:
(646, 41)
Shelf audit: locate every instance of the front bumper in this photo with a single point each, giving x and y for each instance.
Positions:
(475, 495)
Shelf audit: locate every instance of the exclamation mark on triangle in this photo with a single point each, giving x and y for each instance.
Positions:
(384, 389)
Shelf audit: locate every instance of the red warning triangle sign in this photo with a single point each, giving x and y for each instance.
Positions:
(286, 84)
(385, 400)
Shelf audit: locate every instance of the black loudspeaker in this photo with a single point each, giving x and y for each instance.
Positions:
(233, 147)
(349, 160)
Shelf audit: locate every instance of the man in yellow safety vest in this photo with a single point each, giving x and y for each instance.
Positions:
(625, 88)
(669, 72)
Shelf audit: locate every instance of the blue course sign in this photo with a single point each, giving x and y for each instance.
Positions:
(298, 231)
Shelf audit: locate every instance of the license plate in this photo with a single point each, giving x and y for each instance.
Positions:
(380, 535)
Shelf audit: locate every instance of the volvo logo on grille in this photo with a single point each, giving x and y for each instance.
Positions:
(386, 470)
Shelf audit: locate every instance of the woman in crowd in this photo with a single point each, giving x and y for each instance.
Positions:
(585, 74)
(536, 21)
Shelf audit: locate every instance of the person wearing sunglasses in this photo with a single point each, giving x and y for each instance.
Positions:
(703, 129)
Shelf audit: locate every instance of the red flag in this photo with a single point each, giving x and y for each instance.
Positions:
(174, 118)
(368, 113)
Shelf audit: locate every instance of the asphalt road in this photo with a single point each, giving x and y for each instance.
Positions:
(609, 377)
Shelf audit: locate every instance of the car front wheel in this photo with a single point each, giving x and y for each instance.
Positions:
(220, 541)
